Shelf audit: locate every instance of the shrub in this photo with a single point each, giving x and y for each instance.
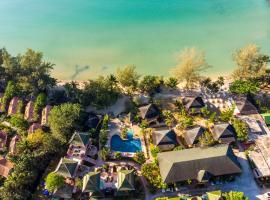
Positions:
(139, 157)
(54, 181)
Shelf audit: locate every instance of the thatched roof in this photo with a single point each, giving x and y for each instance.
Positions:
(192, 102)
(192, 134)
(223, 130)
(149, 111)
(164, 136)
(182, 165)
(244, 106)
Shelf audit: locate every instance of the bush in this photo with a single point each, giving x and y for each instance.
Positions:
(117, 155)
(54, 181)
(154, 151)
(241, 130)
(139, 157)
(19, 122)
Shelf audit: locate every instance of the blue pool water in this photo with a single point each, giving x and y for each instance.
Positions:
(130, 145)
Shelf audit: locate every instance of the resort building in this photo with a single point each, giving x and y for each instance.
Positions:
(3, 140)
(13, 144)
(260, 157)
(125, 182)
(224, 133)
(13, 106)
(244, 107)
(192, 135)
(164, 138)
(34, 127)
(64, 192)
(92, 185)
(67, 168)
(45, 115)
(192, 104)
(5, 167)
(29, 111)
(150, 113)
(198, 164)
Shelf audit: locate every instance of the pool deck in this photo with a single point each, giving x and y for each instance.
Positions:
(137, 132)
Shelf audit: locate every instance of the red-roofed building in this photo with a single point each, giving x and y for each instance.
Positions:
(13, 106)
(45, 115)
(5, 167)
(29, 111)
(13, 144)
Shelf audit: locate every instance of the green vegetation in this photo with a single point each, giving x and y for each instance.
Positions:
(227, 115)
(10, 91)
(192, 63)
(63, 120)
(100, 93)
(128, 77)
(151, 172)
(103, 135)
(19, 122)
(150, 84)
(28, 71)
(39, 104)
(234, 195)
(251, 63)
(241, 129)
(206, 139)
(54, 181)
(139, 157)
(154, 150)
(244, 87)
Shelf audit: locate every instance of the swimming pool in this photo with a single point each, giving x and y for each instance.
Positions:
(130, 145)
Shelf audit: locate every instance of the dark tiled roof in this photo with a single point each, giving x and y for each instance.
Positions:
(223, 130)
(244, 106)
(163, 136)
(149, 111)
(192, 134)
(192, 102)
(185, 164)
(66, 168)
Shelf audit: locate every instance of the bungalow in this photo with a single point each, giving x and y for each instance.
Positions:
(5, 167)
(192, 135)
(164, 138)
(192, 104)
(13, 106)
(67, 168)
(197, 164)
(125, 182)
(29, 111)
(34, 127)
(244, 107)
(3, 140)
(45, 115)
(64, 192)
(150, 113)
(80, 140)
(13, 144)
(224, 133)
(92, 184)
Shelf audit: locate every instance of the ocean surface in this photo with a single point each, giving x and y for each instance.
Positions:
(98, 36)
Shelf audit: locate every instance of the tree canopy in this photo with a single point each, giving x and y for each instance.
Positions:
(54, 181)
(29, 71)
(63, 120)
(191, 63)
(127, 76)
(250, 62)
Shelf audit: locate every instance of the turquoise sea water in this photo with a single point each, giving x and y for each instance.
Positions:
(106, 34)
